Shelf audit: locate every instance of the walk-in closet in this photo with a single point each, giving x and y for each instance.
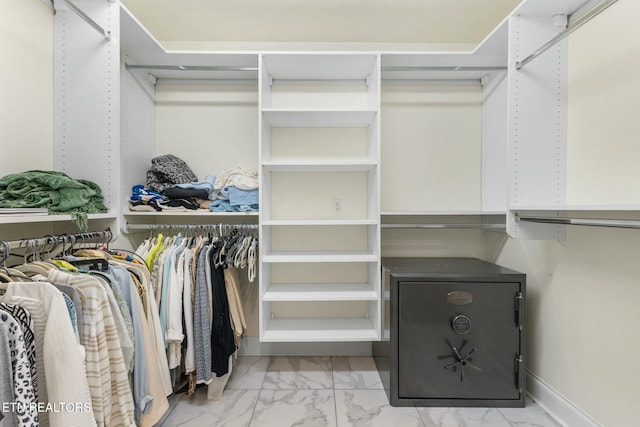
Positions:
(328, 160)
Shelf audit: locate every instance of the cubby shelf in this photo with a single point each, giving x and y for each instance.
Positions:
(320, 292)
(320, 329)
(311, 166)
(23, 219)
(317, 118)
(319, 256)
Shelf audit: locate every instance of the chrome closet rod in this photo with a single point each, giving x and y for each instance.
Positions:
(441, 226)
(243, 68)
(445, 68)
(87, 18)
(571, 28)
(591, 222)
(189, 226)
(37, 242)
(190, 67)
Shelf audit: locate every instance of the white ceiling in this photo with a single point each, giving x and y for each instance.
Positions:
(321, 21)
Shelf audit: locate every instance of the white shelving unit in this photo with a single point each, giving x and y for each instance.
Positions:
(25, 219)
(320, 216)
(537, 150)
(319, 149)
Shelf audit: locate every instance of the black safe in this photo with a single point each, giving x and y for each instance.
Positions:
(456, 333)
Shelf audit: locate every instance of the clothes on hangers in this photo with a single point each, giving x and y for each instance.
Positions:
(59, 358)
(87, 321)
(196, 284)
(16, 383)
(105, 364)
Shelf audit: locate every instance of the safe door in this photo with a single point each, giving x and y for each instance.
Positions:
(459, 340)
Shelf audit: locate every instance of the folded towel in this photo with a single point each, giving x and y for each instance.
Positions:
(239, 197)
(237, 177)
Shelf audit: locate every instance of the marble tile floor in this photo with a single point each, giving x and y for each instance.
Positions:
(281, 391)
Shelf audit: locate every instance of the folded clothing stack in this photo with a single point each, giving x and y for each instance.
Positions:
(236, 190)
(171, 185)
(168, 170)
(145, 199)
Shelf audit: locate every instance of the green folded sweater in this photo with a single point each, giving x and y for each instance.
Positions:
(54, 190)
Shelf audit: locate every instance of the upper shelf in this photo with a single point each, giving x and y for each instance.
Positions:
(577, 208)
(23, 219)
(278, 117)
(319, 66)
(315, 166)
(140, 48)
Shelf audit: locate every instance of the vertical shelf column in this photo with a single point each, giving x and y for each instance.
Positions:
(537, 122)
(320, 216)
(87, 96)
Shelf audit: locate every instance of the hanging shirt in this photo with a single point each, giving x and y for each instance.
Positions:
(26, 324)
(58, 354)
(15, 373)
(106, 370)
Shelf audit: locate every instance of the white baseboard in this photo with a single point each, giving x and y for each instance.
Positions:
(251, 346)
(556, 405)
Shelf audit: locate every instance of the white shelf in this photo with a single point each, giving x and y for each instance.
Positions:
(319, 256)
(320, 330)
(197, 213)
(31, 218)
(311, 166)
(141, 48)
(442, 213)
(311, 222)
(320, 66)
(578, 208)
(320, 292)
(314, 118)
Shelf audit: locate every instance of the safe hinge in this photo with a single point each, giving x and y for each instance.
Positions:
(518, 366)
(519, 310)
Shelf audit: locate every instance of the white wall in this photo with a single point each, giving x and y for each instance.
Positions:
(26, 85)
(211, 127)
(603, 116)
(431, 148)
(583, 317)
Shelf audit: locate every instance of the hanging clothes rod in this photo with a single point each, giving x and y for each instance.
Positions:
(190, 67)
(446, 68)
(246, 68)
(442, 226)
(190, 226)
(40, 243)
(591, 222)
(571, 28)
(87, 18)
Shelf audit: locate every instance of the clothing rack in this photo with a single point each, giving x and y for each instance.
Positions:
(48, 243)
(87, 18)
(189, 67)
(445, 68)
(443, 226)
(191, 227)
(591, 222)
(571, 28)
